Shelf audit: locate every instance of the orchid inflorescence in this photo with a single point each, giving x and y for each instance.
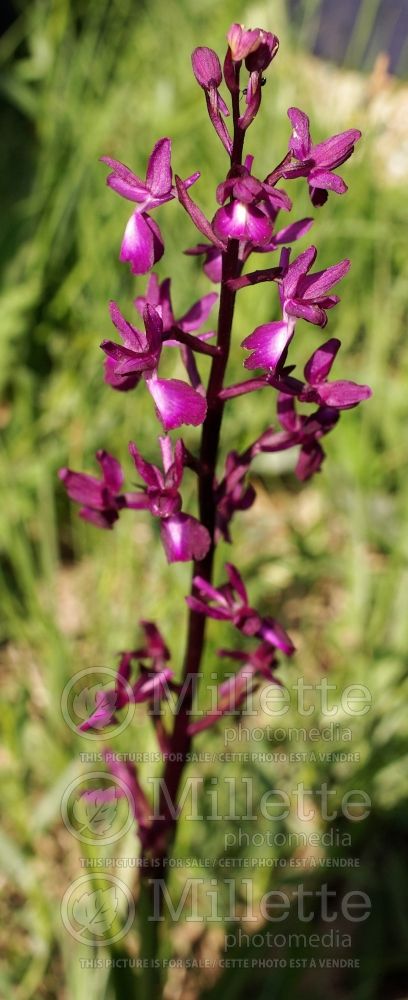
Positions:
(244, 223)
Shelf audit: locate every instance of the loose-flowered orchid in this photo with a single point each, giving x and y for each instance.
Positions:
(142, 243)
(244, 222)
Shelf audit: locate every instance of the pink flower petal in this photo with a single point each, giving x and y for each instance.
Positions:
(239, 221)
(142, 243)
(159, 173)
(112, 471)
(343, 394)
(268, 343)
(177, 402)
(83, 488)
(319, 365)
(300, 143)
(184, 538)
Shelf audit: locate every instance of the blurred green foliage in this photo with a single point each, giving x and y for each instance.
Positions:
(331, 560)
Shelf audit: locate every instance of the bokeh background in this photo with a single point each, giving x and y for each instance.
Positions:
(82, 79)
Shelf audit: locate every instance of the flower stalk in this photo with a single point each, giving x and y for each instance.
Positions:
(244, 223)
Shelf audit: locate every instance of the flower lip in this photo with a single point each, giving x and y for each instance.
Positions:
(243, 41)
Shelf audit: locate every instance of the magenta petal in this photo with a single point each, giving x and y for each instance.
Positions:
(319, 365)
(106, 703)
(236, 582)
(136, 501)
(299, 144)
(314, 286)
(208, 591)
(112, 471)
(327, 181)
(274, 633)
(334, 151)
(213, 266)
(268, 343)
(123, 383)
(206, 67)
(198, 313)
(126, 361)
(309, 311)
(293, 232)
(240, 221)
(83, 489)
(286, 412)
(152, 687)
(150, 475)
(213, 260)
(177, 402)
(343, 394)
(296, 269)
(184, 538)
(100, 518)
(132, 338)
(154, 328)
(125, 190)
(159, 174)
(219, 614)
(242, 41)
(142, 243)
(124, 181)
(196, 215)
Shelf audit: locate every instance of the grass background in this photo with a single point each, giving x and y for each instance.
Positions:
(331, 559)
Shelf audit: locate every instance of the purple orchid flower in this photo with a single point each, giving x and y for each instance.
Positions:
(342, 395)
(183, 536)
(251, 210)
(142, 243)
(176, 402)
(317, 162)
(230, 603)
(232, 693)
(257, 665)
(232, 493)
(305, 431)
(212, 266)
(289, 234)
(151, 686)
(302, 296)
(159, 297)
(100, 499)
